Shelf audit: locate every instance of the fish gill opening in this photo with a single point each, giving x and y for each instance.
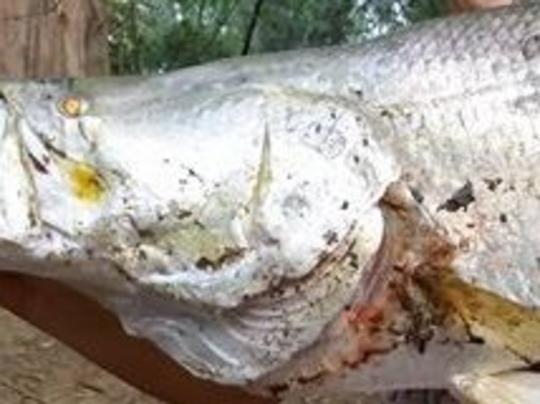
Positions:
(417, 293)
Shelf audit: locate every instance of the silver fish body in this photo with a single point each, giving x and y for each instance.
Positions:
(253, 216)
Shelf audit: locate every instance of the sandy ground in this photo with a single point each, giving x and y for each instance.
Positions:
(36, 369)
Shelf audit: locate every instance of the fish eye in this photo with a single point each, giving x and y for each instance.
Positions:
(72, 106)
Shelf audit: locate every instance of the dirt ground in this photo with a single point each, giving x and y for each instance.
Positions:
(36, 369)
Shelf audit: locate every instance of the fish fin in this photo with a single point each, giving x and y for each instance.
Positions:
(516, 387)
(498, 321)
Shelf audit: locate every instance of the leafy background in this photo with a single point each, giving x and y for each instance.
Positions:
(155, 36)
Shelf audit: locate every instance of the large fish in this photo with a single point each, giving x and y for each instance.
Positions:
(331, 222)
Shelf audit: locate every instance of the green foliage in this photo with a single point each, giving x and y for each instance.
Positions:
(159, 35)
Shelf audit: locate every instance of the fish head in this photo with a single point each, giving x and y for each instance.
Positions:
(244, 220)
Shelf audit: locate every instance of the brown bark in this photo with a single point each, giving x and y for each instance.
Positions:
(52, 38)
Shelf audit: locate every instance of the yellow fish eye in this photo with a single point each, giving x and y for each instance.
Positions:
(72, 106)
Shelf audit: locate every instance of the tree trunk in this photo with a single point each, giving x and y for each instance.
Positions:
(52, 38)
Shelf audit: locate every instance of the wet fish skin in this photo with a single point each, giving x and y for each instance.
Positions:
(124, 183)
